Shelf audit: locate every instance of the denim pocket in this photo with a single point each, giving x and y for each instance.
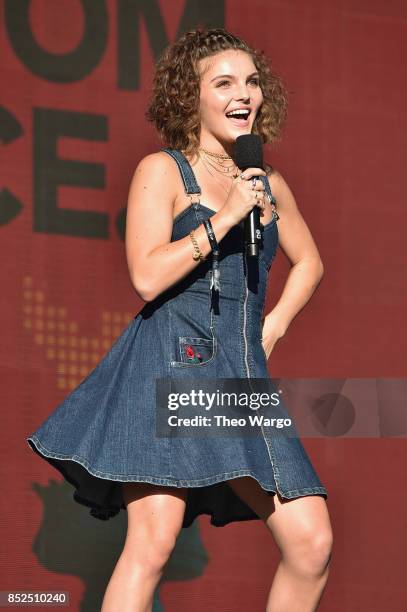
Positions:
(195, 351)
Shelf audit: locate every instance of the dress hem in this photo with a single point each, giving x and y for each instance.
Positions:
(169, 481)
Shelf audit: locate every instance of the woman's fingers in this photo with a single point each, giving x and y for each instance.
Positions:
(247, 174)
(258, 185)
(248, 191)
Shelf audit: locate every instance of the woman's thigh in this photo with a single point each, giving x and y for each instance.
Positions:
(292, 522)
(155, 515)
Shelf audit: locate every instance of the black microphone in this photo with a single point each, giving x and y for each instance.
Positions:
(249, 154)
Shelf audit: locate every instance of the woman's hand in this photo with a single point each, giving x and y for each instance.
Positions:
(244, 196)
(272, 331)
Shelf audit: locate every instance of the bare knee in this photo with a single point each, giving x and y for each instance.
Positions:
(158, 550)
(150, 551)
(155, 516)
(312, 554)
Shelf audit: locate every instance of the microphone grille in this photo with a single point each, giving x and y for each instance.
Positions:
(249, 151)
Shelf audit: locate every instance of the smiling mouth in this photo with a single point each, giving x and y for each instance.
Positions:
(239, 118)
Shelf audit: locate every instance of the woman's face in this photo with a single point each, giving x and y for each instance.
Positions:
(220, 94)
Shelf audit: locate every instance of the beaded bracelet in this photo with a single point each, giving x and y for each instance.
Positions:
(215, 280)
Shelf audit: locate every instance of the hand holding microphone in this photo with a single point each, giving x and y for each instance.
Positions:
(249, 154)
(244, 195)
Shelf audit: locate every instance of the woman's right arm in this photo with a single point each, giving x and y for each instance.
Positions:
(154, 262)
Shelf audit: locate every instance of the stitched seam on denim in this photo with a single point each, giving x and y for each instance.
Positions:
(198, 341)
(272, 456)
(192, 340)
(188, 176)
(183, 213)
(167, 481)
(269, 448)
(181, 166)
(241, 306)
(168, 369)
(128, 477)
(266, 183)
(180, 364)
(200, 220)
(305, 490)
(250, 357)
(245, 317)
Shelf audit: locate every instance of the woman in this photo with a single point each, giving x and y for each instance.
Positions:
(203, 318)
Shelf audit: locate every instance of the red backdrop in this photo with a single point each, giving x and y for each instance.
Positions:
(84, 69)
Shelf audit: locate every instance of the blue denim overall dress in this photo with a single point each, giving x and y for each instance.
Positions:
(103, 432)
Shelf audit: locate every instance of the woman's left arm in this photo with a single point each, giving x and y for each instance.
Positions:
(307, 269)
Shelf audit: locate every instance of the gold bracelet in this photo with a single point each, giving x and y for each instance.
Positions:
(197, 254)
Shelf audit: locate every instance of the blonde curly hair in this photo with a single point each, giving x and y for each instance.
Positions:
(174, 106)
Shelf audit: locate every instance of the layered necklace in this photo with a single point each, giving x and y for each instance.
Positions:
(221, 163)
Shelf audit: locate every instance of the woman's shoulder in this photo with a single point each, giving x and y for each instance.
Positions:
(278, 185)
(268, 168)
(275, 178)
(157, 166)
(156, 160)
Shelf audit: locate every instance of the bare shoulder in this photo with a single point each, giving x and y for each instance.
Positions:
(157, 166)
(280, 189)
(155, 179)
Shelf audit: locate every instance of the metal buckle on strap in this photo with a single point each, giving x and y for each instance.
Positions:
(191, 195)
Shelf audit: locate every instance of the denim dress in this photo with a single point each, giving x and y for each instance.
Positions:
(103, 433)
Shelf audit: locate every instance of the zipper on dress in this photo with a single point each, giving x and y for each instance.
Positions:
(245, 319)
(247, 364)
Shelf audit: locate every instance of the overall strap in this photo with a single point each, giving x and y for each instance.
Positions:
(188, 176)
(265, 180)
(191, 187)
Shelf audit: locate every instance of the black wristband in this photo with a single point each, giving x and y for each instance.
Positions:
(215, 282)
(211, 235)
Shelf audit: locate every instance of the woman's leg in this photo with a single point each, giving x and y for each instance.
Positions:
(301, 529)
(155, 516)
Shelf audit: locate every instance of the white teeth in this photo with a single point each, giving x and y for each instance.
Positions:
(238, 113)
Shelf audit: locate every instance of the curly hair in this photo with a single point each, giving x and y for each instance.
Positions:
(174, 106)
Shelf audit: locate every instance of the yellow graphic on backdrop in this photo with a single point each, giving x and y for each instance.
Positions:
(75, 355)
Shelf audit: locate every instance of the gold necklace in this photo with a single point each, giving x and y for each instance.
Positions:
(221, 155)
(214, 176)
(221, 170)
(220, 166)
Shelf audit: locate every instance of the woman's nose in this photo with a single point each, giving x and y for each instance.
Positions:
(242, 93)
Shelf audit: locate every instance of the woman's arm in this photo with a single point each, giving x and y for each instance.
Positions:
(154, 262)
(307, 269)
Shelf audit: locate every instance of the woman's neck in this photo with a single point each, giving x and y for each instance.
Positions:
(217, 147)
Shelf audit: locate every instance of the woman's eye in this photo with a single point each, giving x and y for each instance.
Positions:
(255, 81)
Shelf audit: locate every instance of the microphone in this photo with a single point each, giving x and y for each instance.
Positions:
(249, 154)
